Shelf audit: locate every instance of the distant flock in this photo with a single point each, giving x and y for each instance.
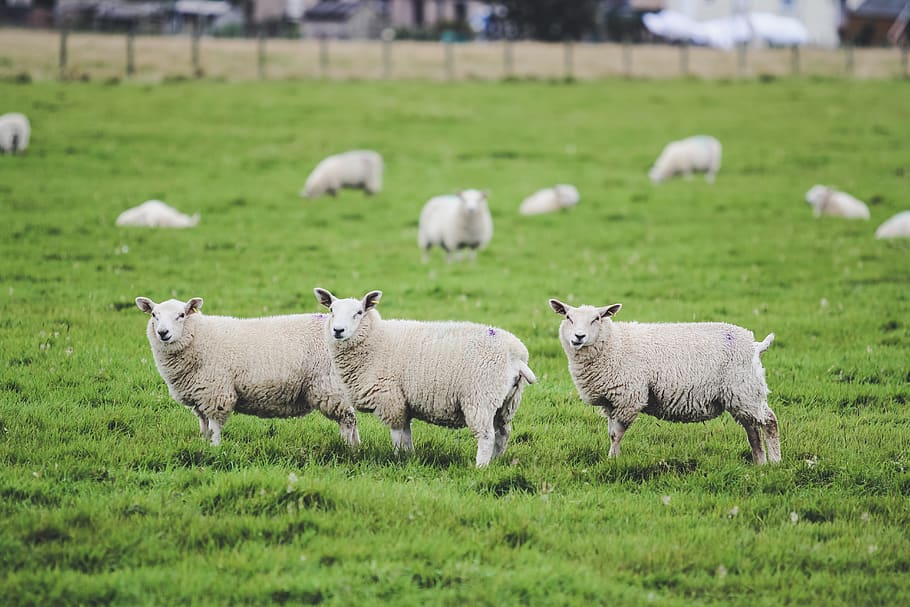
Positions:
(457, 374)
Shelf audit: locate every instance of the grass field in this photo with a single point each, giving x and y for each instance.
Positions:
(109, 496)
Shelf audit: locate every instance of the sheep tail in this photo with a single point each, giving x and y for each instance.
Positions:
(525, 371)
(761, 346)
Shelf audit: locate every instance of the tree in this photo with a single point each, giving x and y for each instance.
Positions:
(551, 20)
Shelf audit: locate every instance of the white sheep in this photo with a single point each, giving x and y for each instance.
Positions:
(699, 154)
(453, 222)
(452, 374)
(15, 132)
(355, 169)
(896, 227)
(267, 367)
(681, 372)
(156, 214)
(828, 201)
(558, 197)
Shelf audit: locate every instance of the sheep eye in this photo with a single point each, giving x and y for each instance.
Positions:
(569, 318)
(358, 313)
(181, 315)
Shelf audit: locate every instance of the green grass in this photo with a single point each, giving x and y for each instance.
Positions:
(108, 495)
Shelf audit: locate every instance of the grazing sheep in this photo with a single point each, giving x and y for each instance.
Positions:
(355, 169)
(453, 222)
(268, 367)
(699, 154)
(452, 374)
(15, 131)
(896, 227)
(828, 201)
(156, 214)
(681, 372)
(550, 199)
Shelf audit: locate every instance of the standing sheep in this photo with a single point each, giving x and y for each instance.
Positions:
(681, 372)
(550, 199)
(699, 154)
(453, 222)
(828, 201)
(355, 169)
(452, 374)
(156, 214)
(896, 227)
(15, 132)
(267, 367)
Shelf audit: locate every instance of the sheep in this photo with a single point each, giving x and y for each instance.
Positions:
(156, 214)
(896, 227)
(453, 374)
(15, 131)
(681, 372)
(453, 222)
(355, 169)
(277, 366)
(828, 201)
(550, 199)
(701, 153)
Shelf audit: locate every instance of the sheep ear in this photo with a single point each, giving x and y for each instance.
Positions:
(371, 299)
(558, 306)
(193, 305)
(324, 297)
(608, 310)
(145, 304)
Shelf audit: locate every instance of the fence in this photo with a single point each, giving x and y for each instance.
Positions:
(45, 55)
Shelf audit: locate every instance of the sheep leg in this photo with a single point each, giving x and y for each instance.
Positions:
(401, 438)
(347, 426)
(204, 429)
(617, 429)
(772, 435)
(709, 177)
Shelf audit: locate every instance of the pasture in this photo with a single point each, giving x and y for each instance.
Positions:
(109, 496)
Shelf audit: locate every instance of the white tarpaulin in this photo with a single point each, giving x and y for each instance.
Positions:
(727, 32)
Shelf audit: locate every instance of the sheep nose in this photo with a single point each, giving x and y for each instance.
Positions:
(579, 336)
(338, 332)
(162, 333)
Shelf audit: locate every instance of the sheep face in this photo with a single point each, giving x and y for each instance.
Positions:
(581, 326)
(346, 314)
(817, 194)
(168, 316)
(473, 201)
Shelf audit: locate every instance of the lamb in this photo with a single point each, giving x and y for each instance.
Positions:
(701, 153)
(896, 227)
(550, 199)
(828, 201)
(452, 374)
(15, 131)
(681, 372)
(268, 367)
(355, 169)
(156, 214)
(454, 222)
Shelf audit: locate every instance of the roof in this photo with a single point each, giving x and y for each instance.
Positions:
(880, 8)
(332, 11)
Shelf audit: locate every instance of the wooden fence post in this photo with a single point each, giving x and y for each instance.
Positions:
(627, 57)
(324, 56)
(197, 33)
(794, 60)
(388, 35)
(450, 60)
(64, 34)
(260, 47)
(508, 63)
(684, 59)
(848, 52)
(741, 56)
(568, 61)
(130, 50)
